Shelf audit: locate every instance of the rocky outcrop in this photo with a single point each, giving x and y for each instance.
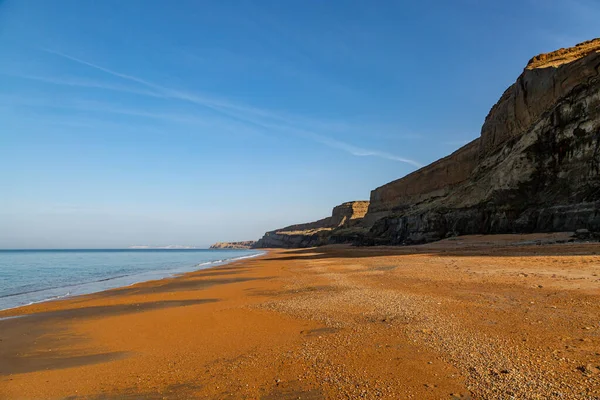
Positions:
(316, 233)
(247, 244)
(535, 167)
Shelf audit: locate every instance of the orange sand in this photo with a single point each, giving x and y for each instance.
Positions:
(470, 317)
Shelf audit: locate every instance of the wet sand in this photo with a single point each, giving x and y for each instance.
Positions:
(482, 317)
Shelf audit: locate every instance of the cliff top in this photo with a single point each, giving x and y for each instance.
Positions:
(563, 56)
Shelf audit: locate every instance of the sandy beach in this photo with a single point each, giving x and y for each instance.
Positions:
(482, 317)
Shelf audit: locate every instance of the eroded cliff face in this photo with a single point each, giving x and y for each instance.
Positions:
(435, 180)
(315, 233)
(535, 167)
(546, 80)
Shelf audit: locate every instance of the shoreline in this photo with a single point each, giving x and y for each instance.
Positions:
(472, 317)
(168, 275)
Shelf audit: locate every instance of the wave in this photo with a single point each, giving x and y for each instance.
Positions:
(213, 262)
(51, 298)
(64, 286)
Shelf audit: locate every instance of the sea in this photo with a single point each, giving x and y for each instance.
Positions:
(32, 276)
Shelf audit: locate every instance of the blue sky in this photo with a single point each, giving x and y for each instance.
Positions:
(188, 122)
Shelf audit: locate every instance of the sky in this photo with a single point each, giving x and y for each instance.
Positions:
(148, 122)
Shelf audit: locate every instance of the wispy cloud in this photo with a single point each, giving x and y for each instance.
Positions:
(96, 111)
(258, 117)
(169, 93)
(87, 83)
(108, 71)
(362, 152)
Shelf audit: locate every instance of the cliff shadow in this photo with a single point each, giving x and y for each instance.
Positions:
(445, 249)
(35, 342)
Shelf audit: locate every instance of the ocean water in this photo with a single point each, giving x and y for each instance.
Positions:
(31, 276)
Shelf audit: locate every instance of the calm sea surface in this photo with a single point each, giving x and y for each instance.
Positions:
(30, 276)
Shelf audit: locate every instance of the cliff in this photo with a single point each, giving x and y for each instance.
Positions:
(234, 245)
(535, 167)
(315, 233)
